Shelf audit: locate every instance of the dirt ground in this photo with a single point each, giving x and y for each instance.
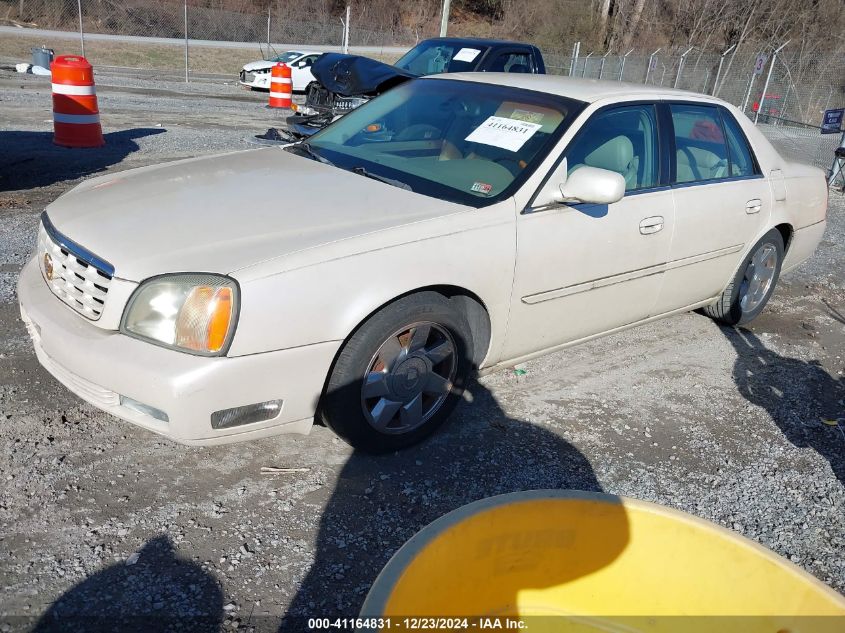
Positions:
(99, 519)
(160, 59)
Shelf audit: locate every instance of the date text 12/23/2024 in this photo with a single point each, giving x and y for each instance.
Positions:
(428, 623)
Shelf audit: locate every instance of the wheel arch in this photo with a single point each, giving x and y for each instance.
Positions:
(468, 302)
(472, 306)
(786, 232)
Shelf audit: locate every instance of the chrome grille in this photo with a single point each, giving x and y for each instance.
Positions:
(77, 277)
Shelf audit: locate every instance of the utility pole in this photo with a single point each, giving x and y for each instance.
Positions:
(444, 18)
(346, 29)
(186, 42)
(81, 33)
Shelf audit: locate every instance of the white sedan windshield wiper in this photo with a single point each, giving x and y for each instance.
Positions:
(390, 181)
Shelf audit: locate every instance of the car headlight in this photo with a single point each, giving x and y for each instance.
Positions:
(194, 313)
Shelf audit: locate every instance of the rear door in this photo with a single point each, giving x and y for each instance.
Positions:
(722, 202)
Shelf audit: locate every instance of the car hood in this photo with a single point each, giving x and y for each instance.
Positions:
(226, 212)
(260, 65)
(351, 75)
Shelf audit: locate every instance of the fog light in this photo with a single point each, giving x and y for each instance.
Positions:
(145, 409)
(249, 414)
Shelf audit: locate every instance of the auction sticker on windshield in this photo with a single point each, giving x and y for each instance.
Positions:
(466, 54)
(509, 134)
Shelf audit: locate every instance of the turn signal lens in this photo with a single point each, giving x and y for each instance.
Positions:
(203, 321)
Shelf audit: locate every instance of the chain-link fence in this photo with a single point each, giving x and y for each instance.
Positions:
(169, 19)
(785, 93)
(800, 87)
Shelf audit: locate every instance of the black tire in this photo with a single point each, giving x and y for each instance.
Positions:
(342, 406)
(728, 309)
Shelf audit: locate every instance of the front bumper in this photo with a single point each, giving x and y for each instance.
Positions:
(101, 365)
(254, 80)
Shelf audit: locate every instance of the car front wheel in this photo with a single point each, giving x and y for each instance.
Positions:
(753, 285)
(399, 376)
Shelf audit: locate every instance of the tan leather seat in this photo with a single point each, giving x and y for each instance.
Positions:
(694, 163)
(617, 155)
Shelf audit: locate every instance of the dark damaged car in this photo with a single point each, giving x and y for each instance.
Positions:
(344, 82)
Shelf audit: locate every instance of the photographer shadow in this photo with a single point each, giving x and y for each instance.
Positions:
(798, 395)
(30, 159)
(382, 501)
(158, 592)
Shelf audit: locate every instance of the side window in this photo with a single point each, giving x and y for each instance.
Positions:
(308, 61)
(623, 140)
(511, 63)
(700, 149)
(742, 164)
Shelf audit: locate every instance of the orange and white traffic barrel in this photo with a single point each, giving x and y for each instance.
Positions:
(76, 118)
(281, 87)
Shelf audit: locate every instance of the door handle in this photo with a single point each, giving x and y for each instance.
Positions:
(651, 225)
(753, 206)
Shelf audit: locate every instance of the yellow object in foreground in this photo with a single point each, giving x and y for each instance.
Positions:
(608, 563)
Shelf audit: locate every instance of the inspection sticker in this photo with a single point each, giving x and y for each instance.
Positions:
(527, 116)
(509, 134)
(481, 187)
(466, 54)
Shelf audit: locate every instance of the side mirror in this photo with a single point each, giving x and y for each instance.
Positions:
(586, 184)
(593, 185)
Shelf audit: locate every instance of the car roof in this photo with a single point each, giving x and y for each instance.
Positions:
(478, 41)
(588, 90)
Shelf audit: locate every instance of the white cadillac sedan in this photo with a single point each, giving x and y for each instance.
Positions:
(455, 223)
(257, 74)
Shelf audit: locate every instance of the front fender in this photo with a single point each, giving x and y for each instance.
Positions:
(323, 294)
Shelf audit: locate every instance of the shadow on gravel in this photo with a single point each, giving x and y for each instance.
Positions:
(797, 394)
(160, 592)
(30, 159)
(381, 501)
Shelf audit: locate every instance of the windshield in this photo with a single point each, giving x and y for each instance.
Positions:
(286, 57)
(432, 57)
(455, 140)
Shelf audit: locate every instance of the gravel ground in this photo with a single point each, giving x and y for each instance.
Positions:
(100, 519)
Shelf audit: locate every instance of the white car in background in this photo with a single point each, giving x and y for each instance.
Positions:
(257, 74)
(470, 220)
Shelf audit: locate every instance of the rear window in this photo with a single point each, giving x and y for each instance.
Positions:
(429, 58)
(739, 153)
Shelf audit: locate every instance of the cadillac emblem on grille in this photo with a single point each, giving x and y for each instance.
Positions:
(48, 267)
(73, 274)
